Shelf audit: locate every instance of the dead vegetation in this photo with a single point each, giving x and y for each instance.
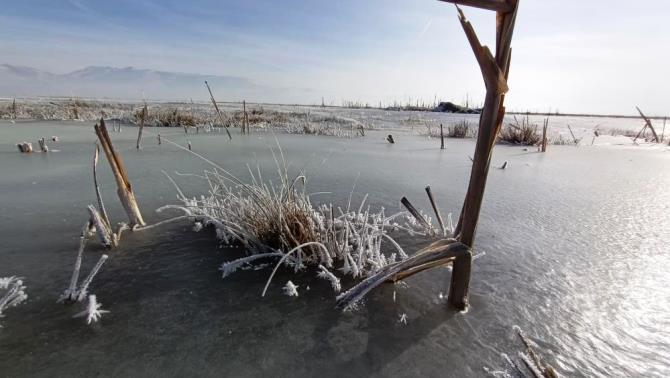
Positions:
(461, 129)
(520, 133)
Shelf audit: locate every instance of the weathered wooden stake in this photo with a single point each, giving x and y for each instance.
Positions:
(415, 213)
(218, 112)
(143, 116)
(159, 139)
(441, 137)
(390, 139)
(189, 145)
(124, 189)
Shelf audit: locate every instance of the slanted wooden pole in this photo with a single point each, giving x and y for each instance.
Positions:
(648, 124)
(143, 116)
(218, 112)
(124, 189)
(663, 133)
(495, 71)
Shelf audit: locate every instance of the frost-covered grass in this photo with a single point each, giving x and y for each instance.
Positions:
(279, 221)
(520, 132)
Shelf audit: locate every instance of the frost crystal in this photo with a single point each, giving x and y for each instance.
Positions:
(93, 311)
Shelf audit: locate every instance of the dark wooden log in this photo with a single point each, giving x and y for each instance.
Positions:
(435, 209)
(415, 213)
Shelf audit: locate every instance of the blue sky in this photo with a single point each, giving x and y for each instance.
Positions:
(601, 56)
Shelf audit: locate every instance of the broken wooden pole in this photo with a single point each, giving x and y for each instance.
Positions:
(143, 116)
(189, 145)
(218, 112)
(648, 124)
(124, 189)
(495, 71)
(441, 137)
(159, 139)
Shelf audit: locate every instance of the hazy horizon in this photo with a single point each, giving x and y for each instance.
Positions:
(601, 57)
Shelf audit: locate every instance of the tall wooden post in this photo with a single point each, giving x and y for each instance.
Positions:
(495, 71)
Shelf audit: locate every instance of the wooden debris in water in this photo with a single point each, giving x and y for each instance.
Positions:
(415, 213)
(25, 147)
(245, 118)
(124, 191)
(158, 137)
(390, 139)
(189, 146)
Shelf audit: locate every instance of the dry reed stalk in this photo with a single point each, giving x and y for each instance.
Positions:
(43, 145)
(574, 138)
(124, 189)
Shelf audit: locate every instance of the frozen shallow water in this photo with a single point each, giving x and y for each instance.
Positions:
(575, 242)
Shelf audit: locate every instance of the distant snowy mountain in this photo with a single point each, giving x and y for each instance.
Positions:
(132, 83)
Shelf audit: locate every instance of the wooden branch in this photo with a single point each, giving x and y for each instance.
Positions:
(440, 250)
(648, 124)
(494, 5)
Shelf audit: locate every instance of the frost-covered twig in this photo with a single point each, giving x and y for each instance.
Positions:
(327, 275)
(71, 292)
(93, 311)
(84, 287)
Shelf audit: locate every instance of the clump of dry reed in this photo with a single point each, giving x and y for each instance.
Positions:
(520, 132)
(280, 221)
(461, 129)
(173, 117)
